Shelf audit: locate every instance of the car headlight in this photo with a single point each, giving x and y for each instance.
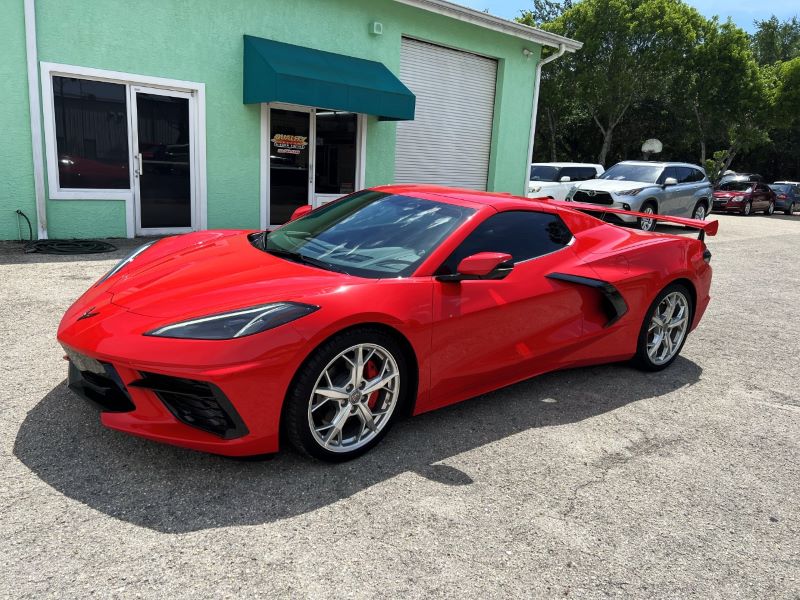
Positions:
(121, 264)
(236, 323)
(633, 192)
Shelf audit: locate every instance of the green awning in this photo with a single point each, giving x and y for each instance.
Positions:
(278, 72)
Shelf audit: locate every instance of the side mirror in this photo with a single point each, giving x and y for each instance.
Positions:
(565, 179)
(670, 181)
(483, 265)
(301, 211)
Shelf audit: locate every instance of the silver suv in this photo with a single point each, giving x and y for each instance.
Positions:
(676, 189)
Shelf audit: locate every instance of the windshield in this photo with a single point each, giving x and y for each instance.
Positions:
(544, 173)
(369, 234)
(623, 172)
(736, 186)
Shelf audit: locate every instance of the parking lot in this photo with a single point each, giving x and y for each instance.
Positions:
(592, 482)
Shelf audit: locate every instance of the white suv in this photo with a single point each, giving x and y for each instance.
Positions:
(554, 180)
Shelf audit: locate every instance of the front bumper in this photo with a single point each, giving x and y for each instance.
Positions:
(727, 205)
(221, 397)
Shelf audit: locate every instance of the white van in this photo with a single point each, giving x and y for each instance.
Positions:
(554, 180)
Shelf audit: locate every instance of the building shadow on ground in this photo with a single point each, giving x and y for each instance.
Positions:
(174, 491)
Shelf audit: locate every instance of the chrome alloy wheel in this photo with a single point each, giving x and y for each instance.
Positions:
(668, 327)
(353, 398)
(646, 224)
(700, 212)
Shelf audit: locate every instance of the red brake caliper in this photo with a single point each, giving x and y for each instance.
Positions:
(370, 372)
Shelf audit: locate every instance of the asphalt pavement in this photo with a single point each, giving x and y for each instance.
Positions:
(587, 483)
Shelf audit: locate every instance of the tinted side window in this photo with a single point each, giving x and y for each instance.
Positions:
(697, 175)
(667, 172)
(683, 174)
(578, 173)
(522, 234)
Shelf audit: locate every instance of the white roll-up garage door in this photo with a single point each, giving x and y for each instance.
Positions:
(449, 140)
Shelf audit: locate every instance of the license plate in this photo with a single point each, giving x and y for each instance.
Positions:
(84, 363)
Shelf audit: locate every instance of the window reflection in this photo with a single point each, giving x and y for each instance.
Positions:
(335, 171)
(91, 133)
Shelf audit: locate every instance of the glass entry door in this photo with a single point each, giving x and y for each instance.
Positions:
(164, 160)
(312, 157)
(289, 162)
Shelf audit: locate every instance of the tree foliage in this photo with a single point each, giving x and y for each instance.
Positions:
(658, 68)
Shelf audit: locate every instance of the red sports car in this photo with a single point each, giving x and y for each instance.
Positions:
(398, 299)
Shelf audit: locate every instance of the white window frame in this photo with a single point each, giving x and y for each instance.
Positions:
(129, 80)
(361, 155)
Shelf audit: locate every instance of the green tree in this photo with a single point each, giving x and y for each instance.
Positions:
(720, 83)
(630, 51)
(544, 11)
(776, 41)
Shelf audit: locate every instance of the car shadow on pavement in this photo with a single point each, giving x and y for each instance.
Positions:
(173, 490)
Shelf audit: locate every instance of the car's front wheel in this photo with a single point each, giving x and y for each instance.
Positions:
(664, 329)
(644, 223)
(748, 207)
(789, 209)
(345, 396)
(770, 209)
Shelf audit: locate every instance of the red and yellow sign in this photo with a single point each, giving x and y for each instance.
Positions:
(289, 144)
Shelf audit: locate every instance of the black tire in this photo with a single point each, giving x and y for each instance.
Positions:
(748, 209)
(295, 412)
(789, 210)
(640, 221)
(704, 205)
(770, 209)
(642, 360)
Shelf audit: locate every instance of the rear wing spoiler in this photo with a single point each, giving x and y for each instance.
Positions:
(705, 227)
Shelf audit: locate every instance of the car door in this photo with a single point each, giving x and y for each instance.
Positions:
(761, 196)
(488, 333)
(669, 196)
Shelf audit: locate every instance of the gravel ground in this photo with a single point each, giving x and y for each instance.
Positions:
(588, 483)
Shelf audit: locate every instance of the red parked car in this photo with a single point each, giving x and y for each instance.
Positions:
(390, 300)
(745, 197)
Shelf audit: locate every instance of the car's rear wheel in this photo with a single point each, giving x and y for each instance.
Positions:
(748, 208)
(770, 209)
(699, 211)
(664, 329)
(789, 209)
(644, 223)
(345, 396)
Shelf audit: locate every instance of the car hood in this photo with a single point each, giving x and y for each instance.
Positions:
(212, 272)
(613, 185)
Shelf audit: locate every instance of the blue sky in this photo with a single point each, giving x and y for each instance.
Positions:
(742, 12)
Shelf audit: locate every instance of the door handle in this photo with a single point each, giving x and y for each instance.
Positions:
(139, 166)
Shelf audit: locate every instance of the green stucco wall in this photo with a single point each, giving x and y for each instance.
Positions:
(16, 160)
(201, 40)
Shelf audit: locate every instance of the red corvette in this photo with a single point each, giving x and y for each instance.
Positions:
(395, 299)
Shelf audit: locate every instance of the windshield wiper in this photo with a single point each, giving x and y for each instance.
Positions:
(303, 259)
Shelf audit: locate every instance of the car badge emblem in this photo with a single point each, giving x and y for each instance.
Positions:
(88, 314)
(590, 192)
(355, 397)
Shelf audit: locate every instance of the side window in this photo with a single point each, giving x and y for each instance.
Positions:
(684, 174)
(696, 175)
(522, 234)
(578, 173)
(667, 172)
(761, 187)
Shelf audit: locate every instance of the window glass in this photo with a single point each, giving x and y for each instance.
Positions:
(697, 175)
(335, 170)
(522, 234)
(683, 174)
(369, 234)
(91, 134)
(544, 173)
(577, 173)
(736, 186)
(628, 172)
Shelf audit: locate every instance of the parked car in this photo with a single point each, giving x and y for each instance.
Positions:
(740, 177)
(554, 180)
(675, 189)
(787, 196)
(745, 197)
(393, 300)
